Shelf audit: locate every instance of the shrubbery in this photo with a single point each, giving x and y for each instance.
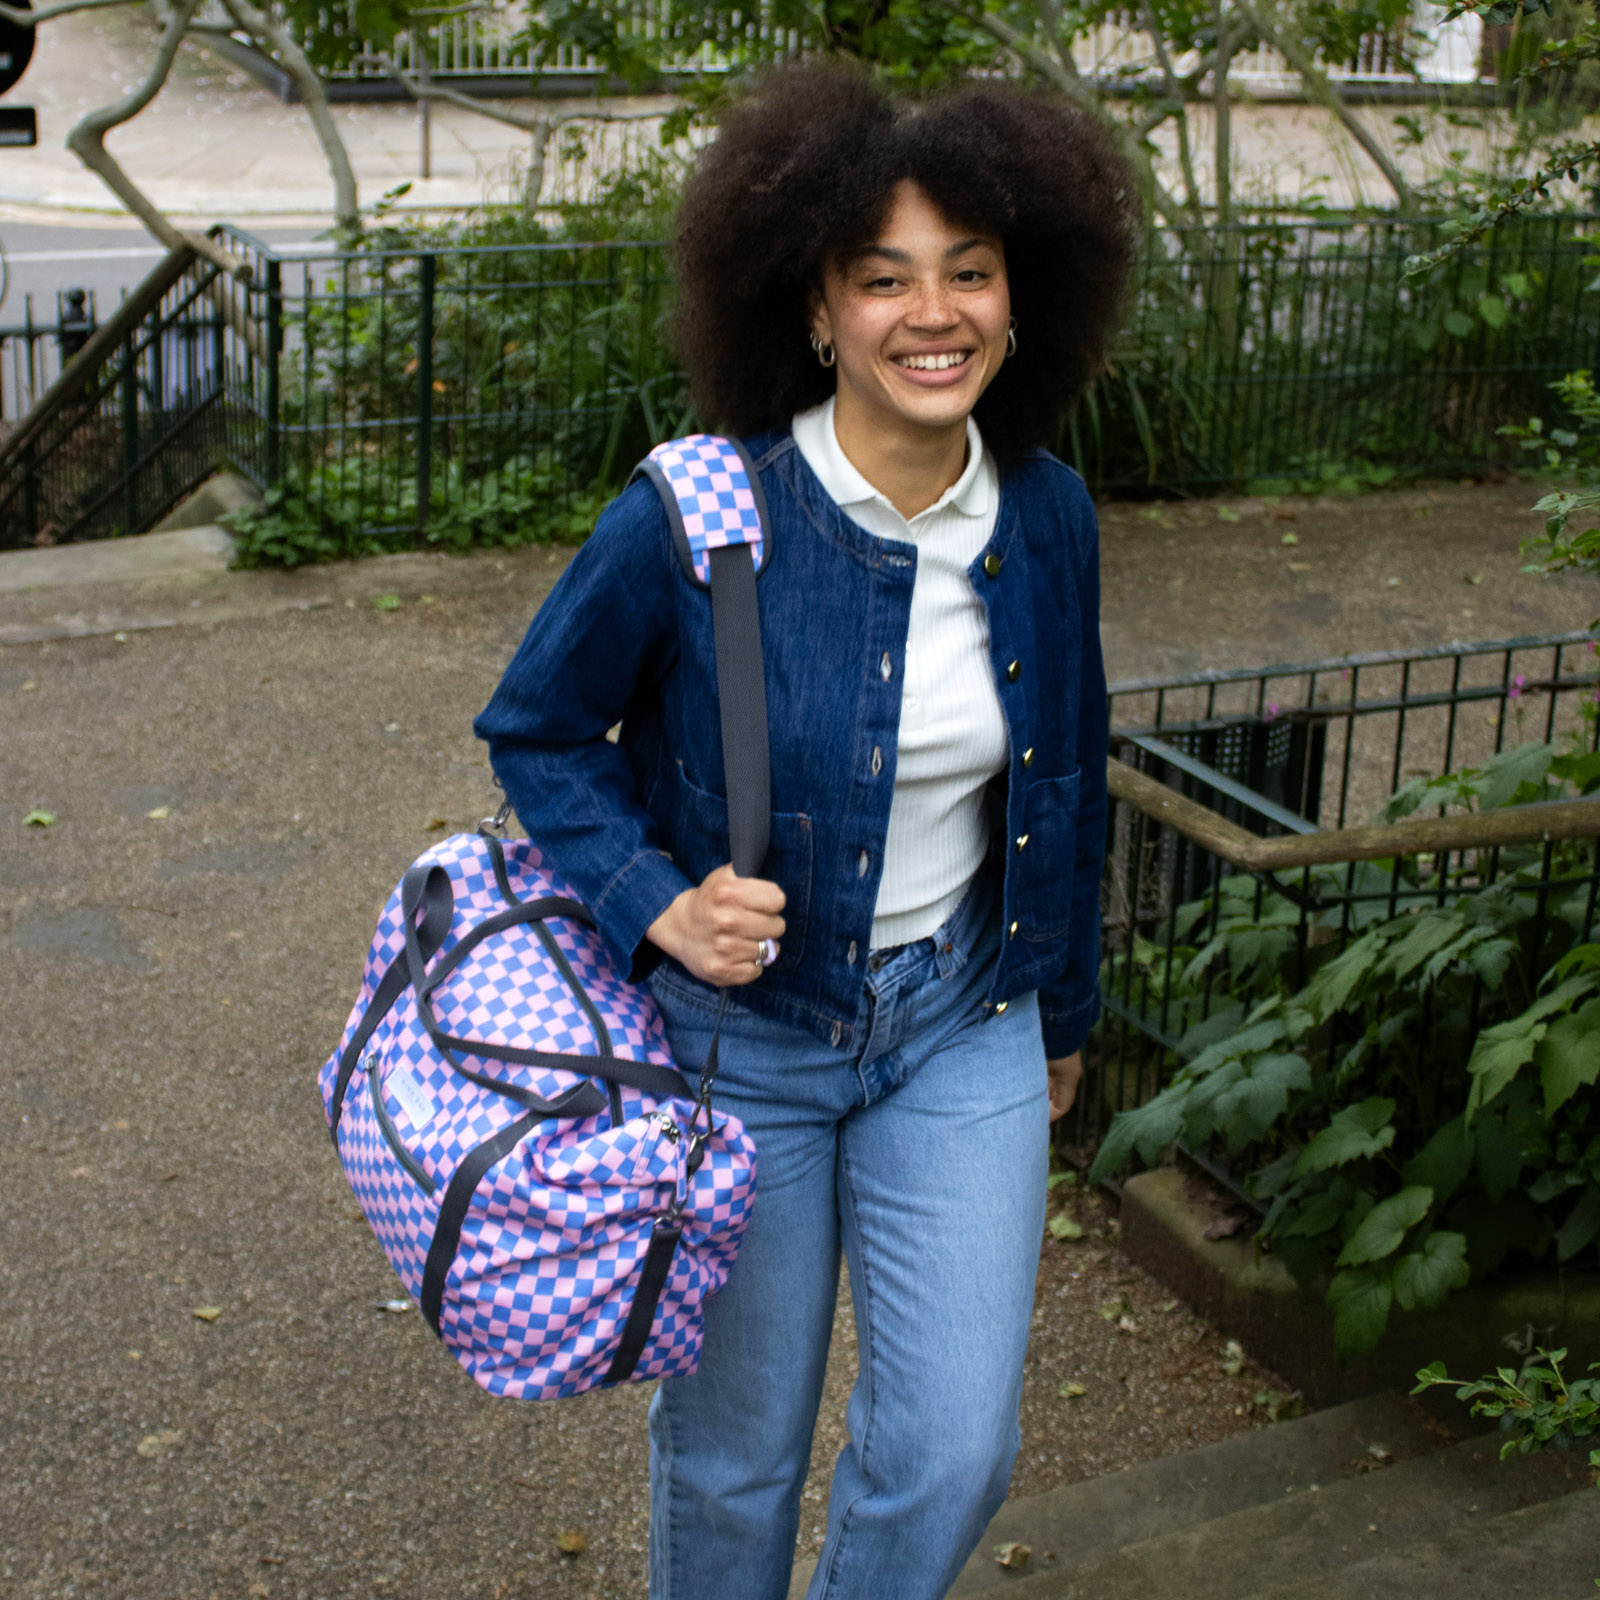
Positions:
(1413, 1115)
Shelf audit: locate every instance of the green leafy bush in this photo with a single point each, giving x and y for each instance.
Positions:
(1411, 1114)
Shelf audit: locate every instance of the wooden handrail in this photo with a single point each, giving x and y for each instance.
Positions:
(77, 372)
(1509, 825)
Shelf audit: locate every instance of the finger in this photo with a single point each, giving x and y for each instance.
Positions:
(755, 894)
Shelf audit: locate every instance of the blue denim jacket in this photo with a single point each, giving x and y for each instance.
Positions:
(625, 637)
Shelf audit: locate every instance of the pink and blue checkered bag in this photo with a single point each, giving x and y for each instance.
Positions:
(552, 1193)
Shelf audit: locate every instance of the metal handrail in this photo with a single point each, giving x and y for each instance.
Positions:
(1539, 823)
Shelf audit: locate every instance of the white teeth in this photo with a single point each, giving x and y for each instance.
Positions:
(933, 363)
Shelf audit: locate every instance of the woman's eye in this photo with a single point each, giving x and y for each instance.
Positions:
(971, 275)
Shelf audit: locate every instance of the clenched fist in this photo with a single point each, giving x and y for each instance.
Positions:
(717, 931)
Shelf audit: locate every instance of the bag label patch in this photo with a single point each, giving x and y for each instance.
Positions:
(413, 1098)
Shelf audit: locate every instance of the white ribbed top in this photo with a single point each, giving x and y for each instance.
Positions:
(952, 730)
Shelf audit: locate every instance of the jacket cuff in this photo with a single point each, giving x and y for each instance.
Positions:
(1065, 1029)
(633, 899)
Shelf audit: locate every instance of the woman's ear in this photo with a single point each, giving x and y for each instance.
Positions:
(820, 322)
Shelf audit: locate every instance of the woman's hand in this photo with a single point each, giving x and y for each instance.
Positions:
(716, 930)
(1065, 1075)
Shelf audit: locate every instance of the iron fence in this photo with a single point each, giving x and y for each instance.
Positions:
(1301, 756)
(33, 351)
(423, 390)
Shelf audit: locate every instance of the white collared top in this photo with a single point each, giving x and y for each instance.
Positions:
(952, 730)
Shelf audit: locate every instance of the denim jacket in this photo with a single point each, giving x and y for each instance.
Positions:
(625, 637)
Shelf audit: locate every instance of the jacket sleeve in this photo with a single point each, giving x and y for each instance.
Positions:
(599, 647)
(1070, 1003)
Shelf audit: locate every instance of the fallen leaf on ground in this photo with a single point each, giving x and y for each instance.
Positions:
(436, 823)
(38, 819)
(1169, 1305)
(1012, 1555)
(1122, 1306)
(571, 1543)
(258, 1591)
(206, 1313)
(1069, 1177)
(1278, 1406)
(1299, 566)
(1473, 577)
(1062, 1226)
(1291, 539)
(1127, 1325)
(1232, 1359)
(1225, 1227)
(1072, 1391)
(1227, 514)
(159, 814)
(386, 602)
(158, 1446)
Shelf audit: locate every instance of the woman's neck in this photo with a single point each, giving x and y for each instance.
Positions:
(910, 467)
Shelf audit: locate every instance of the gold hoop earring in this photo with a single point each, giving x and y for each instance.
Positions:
(826, 354)
(1011, 336)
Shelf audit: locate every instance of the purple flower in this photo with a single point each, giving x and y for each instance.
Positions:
(1272, 711)
(1518, 684)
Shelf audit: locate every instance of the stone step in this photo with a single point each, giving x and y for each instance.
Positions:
(1081, 1522)
(1291, 1544)
(1549, 1550)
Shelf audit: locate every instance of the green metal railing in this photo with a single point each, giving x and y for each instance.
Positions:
(460, 394)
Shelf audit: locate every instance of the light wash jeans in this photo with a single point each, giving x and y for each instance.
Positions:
(923, 1155)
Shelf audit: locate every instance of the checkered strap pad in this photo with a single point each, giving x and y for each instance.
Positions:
(712, 497)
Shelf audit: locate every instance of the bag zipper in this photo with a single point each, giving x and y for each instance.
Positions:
(419, 1174)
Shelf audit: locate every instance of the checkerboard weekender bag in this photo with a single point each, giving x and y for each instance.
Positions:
(551, 1191)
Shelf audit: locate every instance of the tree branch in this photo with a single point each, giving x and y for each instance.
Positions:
(1174, 90)
(32, 19)
(269, 31)
(87, 141)
(539, 127)
(1321, 89)
(1166, 204)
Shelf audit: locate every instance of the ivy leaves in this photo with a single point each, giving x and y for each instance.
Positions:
(1326, 1049)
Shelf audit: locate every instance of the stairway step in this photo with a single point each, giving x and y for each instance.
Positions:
(1083, 1521)
(1546, 1551)
(1272, 1547)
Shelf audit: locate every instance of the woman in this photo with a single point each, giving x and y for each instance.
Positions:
(893, 304)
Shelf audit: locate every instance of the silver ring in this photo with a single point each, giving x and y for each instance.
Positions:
(768, 952)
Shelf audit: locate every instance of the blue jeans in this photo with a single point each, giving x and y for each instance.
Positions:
(923, 1156)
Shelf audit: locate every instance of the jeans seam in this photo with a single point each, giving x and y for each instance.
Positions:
(869, 1371)
(672, 1504)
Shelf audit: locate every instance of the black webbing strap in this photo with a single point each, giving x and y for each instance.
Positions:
(742, 698)
(435, 925)
(431, 886)
(646, 1297)
(453, 1212)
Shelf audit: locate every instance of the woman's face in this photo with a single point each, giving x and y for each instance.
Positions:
(918, 319)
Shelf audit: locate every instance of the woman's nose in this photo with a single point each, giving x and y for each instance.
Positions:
(932, 307)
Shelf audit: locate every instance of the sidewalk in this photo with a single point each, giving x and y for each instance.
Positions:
(215, 144)
(239, 766)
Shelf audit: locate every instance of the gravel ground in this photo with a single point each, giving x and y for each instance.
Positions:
(233, 795)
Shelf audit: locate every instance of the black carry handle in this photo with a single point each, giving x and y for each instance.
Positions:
(430, 886)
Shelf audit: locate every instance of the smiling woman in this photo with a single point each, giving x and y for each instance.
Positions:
(893, 302)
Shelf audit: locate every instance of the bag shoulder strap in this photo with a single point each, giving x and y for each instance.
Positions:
(713, 499)
(714, 502)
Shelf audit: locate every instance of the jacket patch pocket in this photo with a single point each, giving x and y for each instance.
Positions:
(1045, 864)
(700, 846)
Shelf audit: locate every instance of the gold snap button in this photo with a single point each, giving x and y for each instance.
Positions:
(991, 565)
(1022, 843)
(1014, 671)
(1001, 1007)
(1011, 932)
(1027, 756)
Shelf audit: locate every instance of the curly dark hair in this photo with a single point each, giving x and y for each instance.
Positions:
(803, 174)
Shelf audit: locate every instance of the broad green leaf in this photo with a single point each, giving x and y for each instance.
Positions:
(1255, 1102)
(1507, 772)
(1355, 1132)
(1201, 1113)
(1444, 1161)
(1433, 930)
(1569, 1056)
(1423, 1277)
(1581, 1227)
(1425, 335)
(1331, 989)
(1385, 1226)
(1149, 1129)
(1062, 1227)
(1360, 1301)
(1492, 309)
(1490, 959)
(1457, 323)
(1562, 996)
(1318, 1213)
(1498, 1056)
